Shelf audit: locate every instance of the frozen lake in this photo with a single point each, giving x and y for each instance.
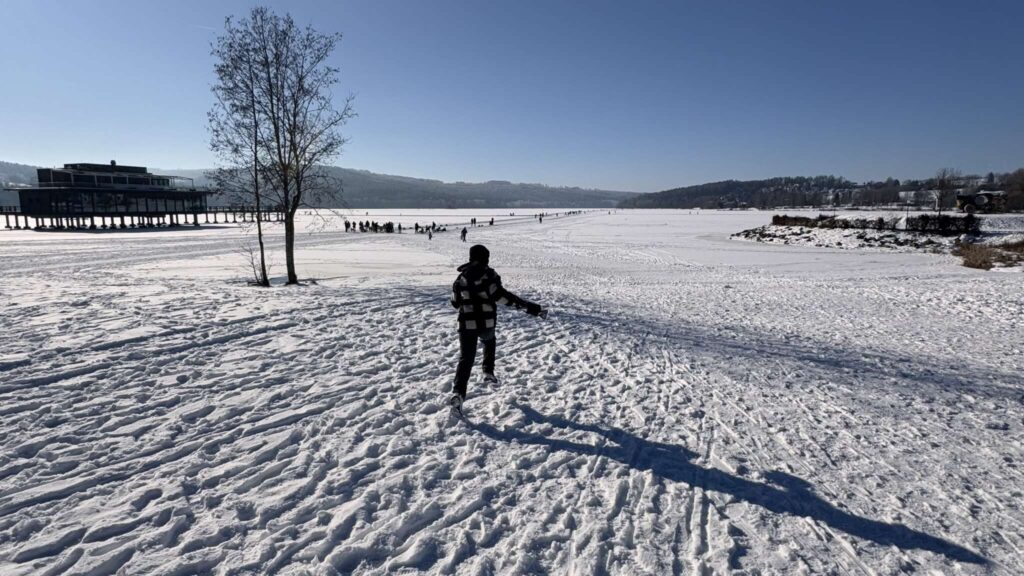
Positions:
(693, 404)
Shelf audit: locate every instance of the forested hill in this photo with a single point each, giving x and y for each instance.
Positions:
(784, 191)
(12, 174)
(16, 174)
(363, 189)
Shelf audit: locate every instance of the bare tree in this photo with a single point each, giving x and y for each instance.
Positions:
(1014, 184)
(946, 182)
(294, 101)
(235, 130)
(275, 108)
(256, 262)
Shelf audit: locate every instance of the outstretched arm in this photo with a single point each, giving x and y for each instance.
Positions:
(502, 296)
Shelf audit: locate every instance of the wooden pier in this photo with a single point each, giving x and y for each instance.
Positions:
(15, 219)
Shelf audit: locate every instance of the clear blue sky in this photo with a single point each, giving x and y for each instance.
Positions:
(642, 95)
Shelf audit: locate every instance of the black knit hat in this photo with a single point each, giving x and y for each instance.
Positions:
(479, 253)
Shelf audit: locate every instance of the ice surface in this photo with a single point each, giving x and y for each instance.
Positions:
(694, 404)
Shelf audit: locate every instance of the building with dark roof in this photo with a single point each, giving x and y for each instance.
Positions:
(90, 196)
(79, 193)
(105, 190)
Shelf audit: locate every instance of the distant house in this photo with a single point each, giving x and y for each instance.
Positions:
(109, 190)
(90, 191)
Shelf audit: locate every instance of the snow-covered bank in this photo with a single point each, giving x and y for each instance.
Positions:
(693, 405)
(889, 240)
(994, 230)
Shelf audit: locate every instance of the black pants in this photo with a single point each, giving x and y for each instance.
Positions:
(467, 346)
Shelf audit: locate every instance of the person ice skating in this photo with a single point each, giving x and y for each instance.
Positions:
(463, 233)
(430, 234)
(476, 294)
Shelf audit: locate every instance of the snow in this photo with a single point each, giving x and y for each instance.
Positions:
(694, 404)
(994, 230)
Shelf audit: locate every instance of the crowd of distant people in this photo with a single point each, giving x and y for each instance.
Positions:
(541, 215)
(373, 226)
(433, 227)
(429, 230)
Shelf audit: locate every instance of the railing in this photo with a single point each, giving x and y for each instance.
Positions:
(141, 187)
(239, 209)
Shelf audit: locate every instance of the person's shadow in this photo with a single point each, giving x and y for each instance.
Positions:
(782, 494)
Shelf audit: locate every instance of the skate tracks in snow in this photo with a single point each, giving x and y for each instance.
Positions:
(673, 416)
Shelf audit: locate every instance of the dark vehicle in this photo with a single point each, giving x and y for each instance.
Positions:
(983, 201)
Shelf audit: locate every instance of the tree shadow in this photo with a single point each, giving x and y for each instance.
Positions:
(781, 494)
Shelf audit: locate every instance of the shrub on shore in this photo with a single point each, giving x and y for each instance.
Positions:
(925, 223)
(986, 257)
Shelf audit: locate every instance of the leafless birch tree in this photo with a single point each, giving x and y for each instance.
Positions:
(285, 120)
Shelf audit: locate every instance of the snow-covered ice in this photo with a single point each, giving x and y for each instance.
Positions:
(693, 405)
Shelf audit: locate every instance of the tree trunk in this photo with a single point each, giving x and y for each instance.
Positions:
(264, 277)
(289, 246)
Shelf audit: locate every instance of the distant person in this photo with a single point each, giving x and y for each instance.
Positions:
(492, 221)
(463, 233)
(430, 234)
(476, 294)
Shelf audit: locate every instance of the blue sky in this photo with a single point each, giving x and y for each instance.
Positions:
(643, 95)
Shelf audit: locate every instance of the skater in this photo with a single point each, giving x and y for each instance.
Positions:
(463, 233)
(430, 234)
(476, 294)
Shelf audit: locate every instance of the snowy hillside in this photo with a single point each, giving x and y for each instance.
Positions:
(693, 405)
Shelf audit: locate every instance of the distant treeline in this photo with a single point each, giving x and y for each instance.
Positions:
(827, 191)
(363, 189)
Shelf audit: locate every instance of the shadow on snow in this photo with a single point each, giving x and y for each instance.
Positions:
(782, 494)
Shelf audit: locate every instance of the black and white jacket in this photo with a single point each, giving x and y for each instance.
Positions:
(476, 294)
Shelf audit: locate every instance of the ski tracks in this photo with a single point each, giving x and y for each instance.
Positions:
(640, 430)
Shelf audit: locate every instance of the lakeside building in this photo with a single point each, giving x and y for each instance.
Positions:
(80, 195)
(98, 190)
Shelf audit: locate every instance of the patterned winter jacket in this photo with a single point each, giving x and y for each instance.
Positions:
(476, 294)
